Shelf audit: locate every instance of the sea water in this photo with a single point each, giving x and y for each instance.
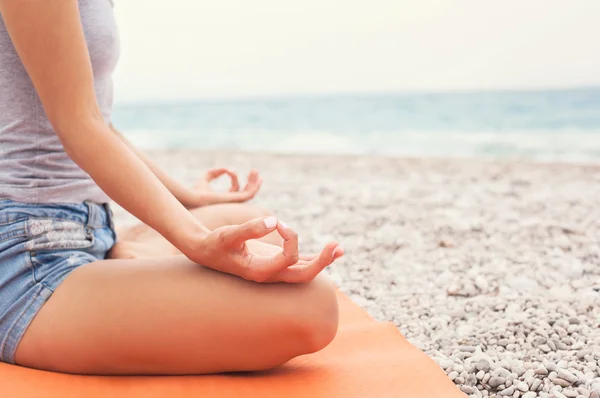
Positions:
(553, 125)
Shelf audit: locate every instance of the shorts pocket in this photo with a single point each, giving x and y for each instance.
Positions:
(56, 234)
(12, 232)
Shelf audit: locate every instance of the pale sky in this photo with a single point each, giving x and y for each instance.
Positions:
(185, 49)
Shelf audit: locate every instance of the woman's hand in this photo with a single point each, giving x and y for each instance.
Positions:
(203, 194)
(234, 250)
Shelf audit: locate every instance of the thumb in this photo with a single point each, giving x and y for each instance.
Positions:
(253, 229)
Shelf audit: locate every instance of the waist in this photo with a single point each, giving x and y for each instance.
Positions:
(27, 182)
(94, 215)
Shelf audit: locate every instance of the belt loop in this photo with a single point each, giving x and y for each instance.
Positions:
(93, 216)
(109, 215)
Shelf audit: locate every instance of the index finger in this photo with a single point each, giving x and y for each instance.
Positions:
(235, 184)
(308, 272)
(253, 229)
(290, 254)
(216, 173)
(265, 268)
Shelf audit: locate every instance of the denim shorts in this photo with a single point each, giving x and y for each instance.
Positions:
(40, 244)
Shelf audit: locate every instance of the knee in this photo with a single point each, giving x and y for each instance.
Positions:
(317, 318)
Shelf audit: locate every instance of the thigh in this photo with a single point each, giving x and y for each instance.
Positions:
(170, 316)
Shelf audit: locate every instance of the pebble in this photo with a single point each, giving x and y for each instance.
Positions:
(486, 378)
(458, 367)
(471, 379)
(551, 366)
(541, 371)
(568, 376)
(483, 365)
(496, 381)
(528, 374)
(582, 391)
(523, 386)
(518, 301)
(560, 382)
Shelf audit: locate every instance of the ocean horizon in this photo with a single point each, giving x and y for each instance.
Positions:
(540, 125)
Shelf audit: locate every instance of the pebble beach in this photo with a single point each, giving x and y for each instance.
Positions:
(490, 267)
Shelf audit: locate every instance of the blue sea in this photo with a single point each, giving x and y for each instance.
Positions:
(554, 125)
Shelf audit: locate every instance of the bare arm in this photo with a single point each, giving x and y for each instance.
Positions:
(198, 197)
(184, 195)
(49, 39)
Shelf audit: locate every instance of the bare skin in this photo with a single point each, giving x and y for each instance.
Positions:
(171, 316)
(139, 241)
(251, 305)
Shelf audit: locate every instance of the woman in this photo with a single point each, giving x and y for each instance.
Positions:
(64, 306)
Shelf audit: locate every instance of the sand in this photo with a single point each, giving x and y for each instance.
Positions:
(492, 268)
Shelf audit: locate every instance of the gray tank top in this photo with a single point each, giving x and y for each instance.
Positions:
(34, 167)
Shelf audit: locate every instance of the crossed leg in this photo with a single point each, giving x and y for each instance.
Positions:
(164, 314)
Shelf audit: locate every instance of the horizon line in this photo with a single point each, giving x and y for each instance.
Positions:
(333, 94)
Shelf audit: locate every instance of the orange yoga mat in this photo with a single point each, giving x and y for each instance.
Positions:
(366, 359)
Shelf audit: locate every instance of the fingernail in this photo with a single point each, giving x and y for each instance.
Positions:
(284, 225)
(338, 250)
(270, 222)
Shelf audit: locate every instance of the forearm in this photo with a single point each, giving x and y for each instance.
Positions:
(183, 194)
(123, 176)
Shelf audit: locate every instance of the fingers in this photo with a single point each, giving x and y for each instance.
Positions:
(253, 178)
(253, 184)
(234, 195)
(268, 267)
(308, 271)
(338, 252)
(311, 257)
(290, 253)
(274, 265)
(235, 184)
(253, 229)
(307, 258)
(250, 190)
(213, 174)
